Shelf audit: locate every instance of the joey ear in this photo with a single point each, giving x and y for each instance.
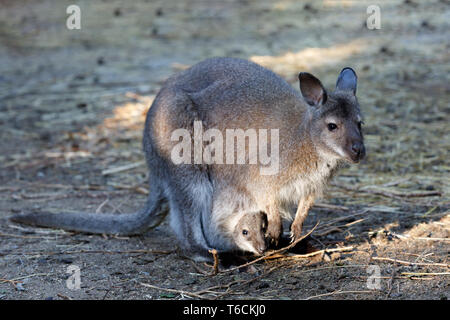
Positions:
(312, 89)
(347, 80)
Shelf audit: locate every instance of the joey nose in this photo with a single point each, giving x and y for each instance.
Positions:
(261, 249)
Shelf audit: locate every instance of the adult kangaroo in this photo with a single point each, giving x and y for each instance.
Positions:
(207, 179)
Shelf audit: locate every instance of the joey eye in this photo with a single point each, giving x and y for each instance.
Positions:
(244, 232)
(332, 126)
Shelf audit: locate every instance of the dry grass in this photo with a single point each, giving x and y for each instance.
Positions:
(73, 106)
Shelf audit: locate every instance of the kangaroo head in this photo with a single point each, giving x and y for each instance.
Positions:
(249, 232)
(334, 119)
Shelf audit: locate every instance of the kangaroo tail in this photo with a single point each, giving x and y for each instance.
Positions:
(149, 217)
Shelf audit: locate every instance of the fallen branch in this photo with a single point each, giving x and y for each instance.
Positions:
(15, 281)
(122, 168)
(338, 292)
(185, 293)
(216, 261)
(26, 237)
(92, 251)
(330, 206)
(392, 194)
(426, 273)
(315, 253)
(63, 296)
(411, 263)
(420, 238)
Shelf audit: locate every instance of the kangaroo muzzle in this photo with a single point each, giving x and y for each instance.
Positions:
(357, 151)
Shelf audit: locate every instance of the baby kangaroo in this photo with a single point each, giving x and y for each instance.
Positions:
(206, 141)
(249, 232)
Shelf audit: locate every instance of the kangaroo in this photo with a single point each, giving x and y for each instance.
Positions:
(249, 232)
(317, 131)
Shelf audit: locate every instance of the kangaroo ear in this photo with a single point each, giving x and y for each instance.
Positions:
(347, 80)
(312, 89)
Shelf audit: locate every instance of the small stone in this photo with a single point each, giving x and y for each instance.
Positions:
(66, 260)
(263, 285)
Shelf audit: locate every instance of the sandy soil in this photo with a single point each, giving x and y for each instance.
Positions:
(72, 105)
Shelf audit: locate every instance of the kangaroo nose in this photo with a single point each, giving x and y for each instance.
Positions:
(356, 148)
(261, 249)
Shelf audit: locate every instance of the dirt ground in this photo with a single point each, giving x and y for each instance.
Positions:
(72, 106)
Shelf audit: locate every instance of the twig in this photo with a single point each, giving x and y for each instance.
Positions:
(203, 272)
(333, 267)
(420, 238)
(391, 194)
(186, 293)
(330, 206)
(92, 251)
(63, 296)
(329, 230)
(216, 262)
(17, 280)
(41, 231)
(338, 292)
(98, 210)
(30, 276)
(387, 278)
(338, 228)
(308, 255)
(122, 168)
(25, 237)
(13, 282)
(333, 221)
(411, 263)
(426, 273)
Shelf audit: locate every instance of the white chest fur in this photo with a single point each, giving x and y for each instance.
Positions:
(310, 183)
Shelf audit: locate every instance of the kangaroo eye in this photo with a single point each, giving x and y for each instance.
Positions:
(332, 126)
(360, 125)
(244, 232)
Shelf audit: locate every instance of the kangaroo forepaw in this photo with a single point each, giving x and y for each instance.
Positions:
(274, 231)
(296, 232)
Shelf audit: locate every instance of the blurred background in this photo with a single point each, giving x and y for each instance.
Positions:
(73, 103)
